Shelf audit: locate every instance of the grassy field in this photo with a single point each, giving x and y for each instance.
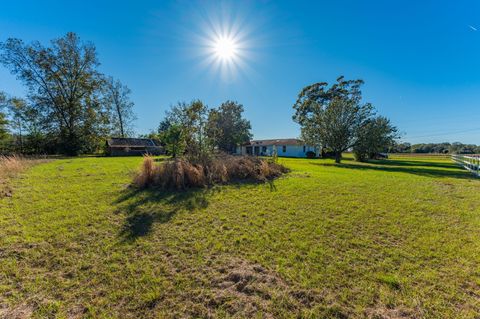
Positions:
(392, 239)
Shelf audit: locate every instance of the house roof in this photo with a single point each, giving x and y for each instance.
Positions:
(126, 142)
(281, 141)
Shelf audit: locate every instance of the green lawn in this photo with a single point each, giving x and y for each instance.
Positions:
(395, 239)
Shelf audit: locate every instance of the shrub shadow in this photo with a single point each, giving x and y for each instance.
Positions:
(396, 162)
(411, 167)
(144, 208)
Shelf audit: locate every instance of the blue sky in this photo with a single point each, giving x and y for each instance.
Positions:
(420, 59)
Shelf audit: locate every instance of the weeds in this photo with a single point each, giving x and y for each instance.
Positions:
(11, 166)
(182, 174)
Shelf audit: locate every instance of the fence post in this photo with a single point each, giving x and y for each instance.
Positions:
(471, 163)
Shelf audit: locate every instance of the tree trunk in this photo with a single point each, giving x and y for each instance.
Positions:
(338, 157)
(322, 152)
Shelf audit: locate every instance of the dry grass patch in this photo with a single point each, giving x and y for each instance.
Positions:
(22, 311)
(246, 289)
(183, 174)
(11, 166)
(234, 288)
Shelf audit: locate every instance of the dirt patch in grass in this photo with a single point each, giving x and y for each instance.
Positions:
(242, 289)
(22, 311)
(385, 312)
(230, 287)
(247, 289)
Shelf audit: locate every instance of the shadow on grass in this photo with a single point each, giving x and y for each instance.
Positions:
(144, 208)
(399, 162)
(411, 167)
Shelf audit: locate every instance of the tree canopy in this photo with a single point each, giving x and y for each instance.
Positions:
(375, 136)
(332, 116)
(3, 119)
(67, 92)
(117, 98)
(191, 119)
(227, 128)
(204, 130)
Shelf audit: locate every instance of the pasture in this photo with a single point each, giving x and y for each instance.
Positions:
(398, 238)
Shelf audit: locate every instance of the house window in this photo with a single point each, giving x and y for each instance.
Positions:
(264, 149)
(304, 148)
(284, 148)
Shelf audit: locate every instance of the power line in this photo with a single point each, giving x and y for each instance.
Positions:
(446, 133)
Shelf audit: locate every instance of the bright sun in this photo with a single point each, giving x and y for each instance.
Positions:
(224, 44)
(225, 48)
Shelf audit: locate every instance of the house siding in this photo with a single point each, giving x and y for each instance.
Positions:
(267, 150)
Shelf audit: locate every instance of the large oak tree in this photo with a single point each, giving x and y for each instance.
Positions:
(64, 86)
(331, 116)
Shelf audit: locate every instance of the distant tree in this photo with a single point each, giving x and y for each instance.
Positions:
(400, 148)
(152, 135)
(117, 98)
(3, 119)
(164, 125)
(3, 129)
(226, 126)
(456, 147)
(374, 137)
(173, 139)
(63, 86)
(442, 148)
(331, 116)
(18, 113)
(192, 119)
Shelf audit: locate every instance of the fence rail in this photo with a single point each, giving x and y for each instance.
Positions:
(470, 162)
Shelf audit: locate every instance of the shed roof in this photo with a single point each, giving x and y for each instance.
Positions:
(126, 142)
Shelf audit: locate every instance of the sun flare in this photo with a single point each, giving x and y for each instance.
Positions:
(225, 43)
(225, 48)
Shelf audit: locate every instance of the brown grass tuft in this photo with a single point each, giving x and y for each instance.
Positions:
(147, 174)
(182, 174)
(10, 166)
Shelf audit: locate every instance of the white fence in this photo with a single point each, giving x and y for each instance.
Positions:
(470, 162)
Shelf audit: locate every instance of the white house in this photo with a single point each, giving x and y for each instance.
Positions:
(288, 147)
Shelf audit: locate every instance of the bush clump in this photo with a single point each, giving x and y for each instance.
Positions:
(180, 173)
(311, 154)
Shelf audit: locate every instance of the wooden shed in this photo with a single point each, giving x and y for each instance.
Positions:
(120, 146)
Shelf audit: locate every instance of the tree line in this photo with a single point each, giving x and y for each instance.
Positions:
(70, 106)
(442, 148)
(331, 117)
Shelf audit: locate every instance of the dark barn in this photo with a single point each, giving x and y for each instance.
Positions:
(133, 146)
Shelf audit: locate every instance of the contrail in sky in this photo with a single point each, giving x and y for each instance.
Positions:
(473, 28)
